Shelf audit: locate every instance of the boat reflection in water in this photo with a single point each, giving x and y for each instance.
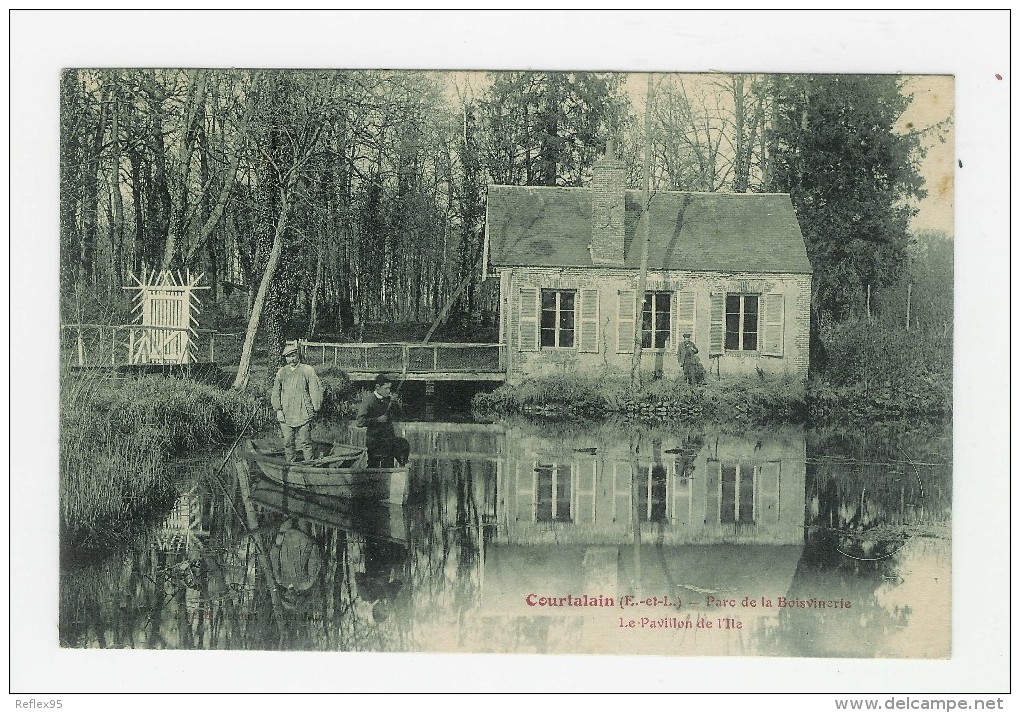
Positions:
(558, 538)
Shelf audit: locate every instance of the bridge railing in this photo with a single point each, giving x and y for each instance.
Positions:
(411, 358)
(96, 345)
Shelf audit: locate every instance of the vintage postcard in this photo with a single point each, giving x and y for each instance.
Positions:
(683, 386)
(656, 364)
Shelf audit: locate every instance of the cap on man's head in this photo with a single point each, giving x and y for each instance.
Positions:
(687, 334)
(290, 349)
(383, 379)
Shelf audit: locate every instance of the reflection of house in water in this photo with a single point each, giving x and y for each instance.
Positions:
(710, 490)
(700, 515)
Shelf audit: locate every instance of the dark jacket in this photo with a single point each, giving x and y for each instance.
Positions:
(371, 408)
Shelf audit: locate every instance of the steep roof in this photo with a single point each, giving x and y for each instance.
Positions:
(724, 232)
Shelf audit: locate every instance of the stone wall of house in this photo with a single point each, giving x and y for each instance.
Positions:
(692, 303)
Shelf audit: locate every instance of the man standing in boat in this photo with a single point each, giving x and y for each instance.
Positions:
(376, 413)
(297, 398)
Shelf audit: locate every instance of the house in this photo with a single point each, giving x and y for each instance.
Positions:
(732, 269)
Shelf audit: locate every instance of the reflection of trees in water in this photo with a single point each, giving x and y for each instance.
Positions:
(865, 489)
(825, 573)
(858, 480)
(447, 508)
(363, 593)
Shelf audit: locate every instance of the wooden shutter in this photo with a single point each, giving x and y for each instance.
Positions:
(686, 310)
(528, 319)
(588, 339)
(622, 491)
(584, 493)
(625, 321)
(526, 491)
(773, 323)
(769, 480)
(717, 328)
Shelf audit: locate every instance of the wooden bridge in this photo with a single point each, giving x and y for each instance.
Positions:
(127, 346)
(413, 361)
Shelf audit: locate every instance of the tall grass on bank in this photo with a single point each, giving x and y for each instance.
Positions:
(775, 399)
(117, 436)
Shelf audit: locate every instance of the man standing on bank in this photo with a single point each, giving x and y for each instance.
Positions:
(376, 413)
(297, 398)
(687, 355)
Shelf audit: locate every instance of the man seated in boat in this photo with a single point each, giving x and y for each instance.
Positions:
(376, 413)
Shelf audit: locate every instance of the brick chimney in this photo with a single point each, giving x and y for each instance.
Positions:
(607, 207)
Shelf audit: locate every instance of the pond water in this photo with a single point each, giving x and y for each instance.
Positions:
(523, 536)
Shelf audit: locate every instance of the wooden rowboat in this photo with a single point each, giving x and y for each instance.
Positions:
(370, 518)
(340, 472)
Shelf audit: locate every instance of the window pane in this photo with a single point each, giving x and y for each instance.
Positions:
(732, 304)
(646, 326)
(563, 494)
(567, 301)
(750, 322)
(548, 319)
(548, 299)
(729, 492)
(662, 300)
(746, 505)
(548, 337)
(658, 511)
(750, 340)
(566, 338)
(732, 331)
(661, 335)
(662, 321)
(567, 320)
(544, 496)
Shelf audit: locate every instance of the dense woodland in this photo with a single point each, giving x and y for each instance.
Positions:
(321, 201)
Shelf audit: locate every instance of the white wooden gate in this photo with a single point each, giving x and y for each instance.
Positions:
(168, 312)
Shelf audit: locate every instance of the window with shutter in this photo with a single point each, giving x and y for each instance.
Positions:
(742, 322)
(558, 318)
(655, 320)
(588, 338)
(774, 324)
(528, 320)
(625, 321)
(717, 327)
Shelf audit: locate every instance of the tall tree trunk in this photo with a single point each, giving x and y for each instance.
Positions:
(320, 269)
(646, 222)
(740, 162)
(244, 368)
(90, 209)
(70, 178)
(139, 211)
(230, 177)
(179, 219)
(116, 200)
(160, 200)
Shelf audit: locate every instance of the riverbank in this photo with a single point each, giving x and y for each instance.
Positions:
(118, 438)
(746, 400)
